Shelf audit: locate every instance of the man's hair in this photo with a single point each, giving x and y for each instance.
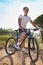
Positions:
(26, 8)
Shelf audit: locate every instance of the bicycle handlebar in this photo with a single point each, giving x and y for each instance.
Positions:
(32, 29)
(27, 29)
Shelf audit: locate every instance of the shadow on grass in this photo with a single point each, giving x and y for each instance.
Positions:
(32, 63)
(41, 55)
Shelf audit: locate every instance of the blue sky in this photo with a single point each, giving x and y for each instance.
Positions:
(11, 9)
(8, 1)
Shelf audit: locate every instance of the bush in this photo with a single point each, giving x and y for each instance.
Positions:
(3, 39)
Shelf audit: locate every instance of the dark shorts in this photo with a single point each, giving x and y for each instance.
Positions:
(27, 33)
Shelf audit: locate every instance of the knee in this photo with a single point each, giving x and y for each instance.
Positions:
(23, 33)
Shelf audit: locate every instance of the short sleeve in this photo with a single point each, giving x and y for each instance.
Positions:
(20, 16)
(30, 19)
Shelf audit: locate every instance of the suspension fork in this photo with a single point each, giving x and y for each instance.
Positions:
(29, 43)
(33, 42)
(29, 39)
(32, 39)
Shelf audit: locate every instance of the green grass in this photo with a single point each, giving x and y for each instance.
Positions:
(40, 42)
(3, 39)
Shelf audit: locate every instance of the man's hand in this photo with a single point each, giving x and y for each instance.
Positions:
(22, 29)
(37, 27)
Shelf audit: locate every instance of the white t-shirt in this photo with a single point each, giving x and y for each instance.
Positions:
(24, 20)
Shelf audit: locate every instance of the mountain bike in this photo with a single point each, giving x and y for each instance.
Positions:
(33, 48)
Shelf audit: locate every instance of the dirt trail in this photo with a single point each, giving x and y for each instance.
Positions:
(18, 59)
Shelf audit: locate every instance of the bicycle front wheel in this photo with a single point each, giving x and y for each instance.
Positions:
(33, 49)
(9, 46)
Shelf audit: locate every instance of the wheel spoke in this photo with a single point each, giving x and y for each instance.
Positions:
(10, 46)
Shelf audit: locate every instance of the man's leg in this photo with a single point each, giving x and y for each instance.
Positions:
(20, 40)
(23, 44)
(23, 36)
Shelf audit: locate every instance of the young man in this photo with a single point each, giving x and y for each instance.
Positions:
(22, 21)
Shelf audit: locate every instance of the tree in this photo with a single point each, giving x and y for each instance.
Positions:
(39, 22)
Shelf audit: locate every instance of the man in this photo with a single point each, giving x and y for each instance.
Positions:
(22, 21)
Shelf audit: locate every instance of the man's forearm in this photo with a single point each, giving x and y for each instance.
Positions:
(33, 24)
(19, 24)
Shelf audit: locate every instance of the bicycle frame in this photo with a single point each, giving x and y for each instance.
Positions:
(29, 36)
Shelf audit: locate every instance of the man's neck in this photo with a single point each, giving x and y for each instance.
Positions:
(25, 15)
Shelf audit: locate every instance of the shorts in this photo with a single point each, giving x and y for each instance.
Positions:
(27, 33)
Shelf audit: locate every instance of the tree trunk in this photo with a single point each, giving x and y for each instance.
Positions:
(42, 34)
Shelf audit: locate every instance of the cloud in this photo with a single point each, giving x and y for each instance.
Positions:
(9, 13)
(9, 19)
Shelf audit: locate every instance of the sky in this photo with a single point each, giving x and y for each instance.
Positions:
(11, 9)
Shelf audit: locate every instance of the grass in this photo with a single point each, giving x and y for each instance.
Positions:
(40, 42)
(3, 39)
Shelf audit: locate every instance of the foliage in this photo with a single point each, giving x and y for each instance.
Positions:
(3, 39)
(39, 20)
(5, 34)
(6, 31)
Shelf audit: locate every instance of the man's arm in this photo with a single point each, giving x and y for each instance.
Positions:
(33, 24)
(19, 22)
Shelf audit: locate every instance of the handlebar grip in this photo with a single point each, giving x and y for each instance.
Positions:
(34, 29)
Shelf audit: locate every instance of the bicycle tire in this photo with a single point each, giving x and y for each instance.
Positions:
(6, 46)
(37, 50)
